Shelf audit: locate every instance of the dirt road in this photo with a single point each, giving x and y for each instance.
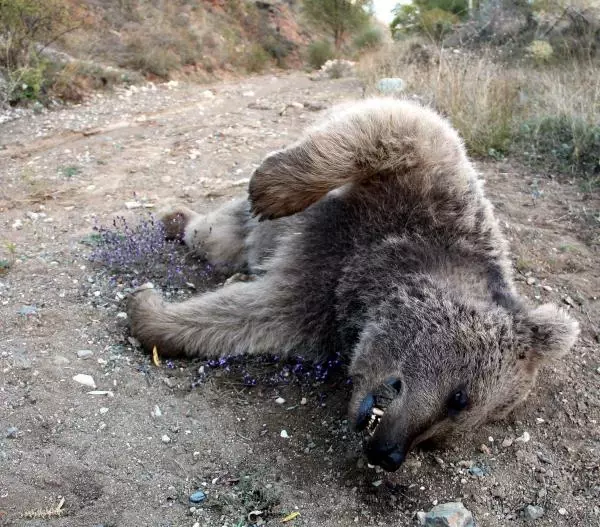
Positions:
(133, 457)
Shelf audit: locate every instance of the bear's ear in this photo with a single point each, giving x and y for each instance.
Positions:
(546, 332)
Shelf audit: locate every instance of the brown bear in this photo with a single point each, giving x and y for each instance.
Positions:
(371, 237)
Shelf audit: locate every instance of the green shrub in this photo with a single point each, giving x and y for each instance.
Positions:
(26, 83)
(256, 59)
(570, 144)
(371, 38)
(319, 52)
(436, 23)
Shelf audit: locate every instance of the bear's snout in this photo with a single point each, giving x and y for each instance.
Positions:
(388, 456)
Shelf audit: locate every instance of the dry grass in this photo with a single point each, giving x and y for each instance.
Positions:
(550, 114)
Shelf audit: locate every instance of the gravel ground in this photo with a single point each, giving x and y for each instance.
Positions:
(132, 450)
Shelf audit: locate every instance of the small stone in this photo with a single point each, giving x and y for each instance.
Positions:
(390, 85)
(122, 315)
(17, 225)
(547, 288)
(86, 380)
(485, 450)
(562, 511)
(156, 411)
(304, 400)
(165, 439)
(208, 94)
(11, 432)
(476, 471)
(507, 442)
(28, 311)
(544, 458)
(569, 301)
(130, 205)
(533, 512)
(453, 514)
(85, 354)
(197, 497)
(280, 400)
(103, 410)
(524, 438)
(284, 434)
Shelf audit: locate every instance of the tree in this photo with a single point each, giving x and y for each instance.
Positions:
(431, 17)
(338, 17)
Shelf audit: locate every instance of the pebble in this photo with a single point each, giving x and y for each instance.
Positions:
(533, 512)
(284, 434)
(524, 438)
(86, 380)
(103, 410)
(303, 401)
(530, 281)
(165, 439)
(507, 442)
(280, 400)
(11, 433)
(156, 412)
(28, 310)
(390, 85)
(477, 471)
(130, 205)
(485, 450)
(197, 497)
(562, 511)
(453, 514)
(85, 354)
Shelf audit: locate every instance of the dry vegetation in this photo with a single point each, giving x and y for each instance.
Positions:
(547, 114)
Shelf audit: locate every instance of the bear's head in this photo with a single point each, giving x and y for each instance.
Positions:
(428, 365)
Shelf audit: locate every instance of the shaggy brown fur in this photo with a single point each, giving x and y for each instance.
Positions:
(386, 251)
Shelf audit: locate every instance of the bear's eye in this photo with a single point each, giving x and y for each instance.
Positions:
(458, 402)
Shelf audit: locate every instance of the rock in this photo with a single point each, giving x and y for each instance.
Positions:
(524, 438)
(12, 432)
(60, 360)
(197, 497)
(284, 434)
(569, 301)
(280, 400)
(476, 471)
(28, 311)
(507, 442)
(562, 511)
(165, 439)
(156, 412)
(390, 86)
(85, 354)
(130, 205)
(17, 225)
(86, 380)
(208, 94)
(533, 512)
(304, 400)
(453, 514)
(530, 281)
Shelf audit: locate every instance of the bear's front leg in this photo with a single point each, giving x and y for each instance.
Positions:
(245, 317)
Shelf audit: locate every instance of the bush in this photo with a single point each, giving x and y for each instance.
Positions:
(436, 23)
(319, 52)
(567, 143)
(255, 59)
(371, 38)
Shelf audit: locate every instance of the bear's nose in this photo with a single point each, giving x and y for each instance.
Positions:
(388, 457)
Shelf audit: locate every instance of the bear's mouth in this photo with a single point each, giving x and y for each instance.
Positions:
(374, 420)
